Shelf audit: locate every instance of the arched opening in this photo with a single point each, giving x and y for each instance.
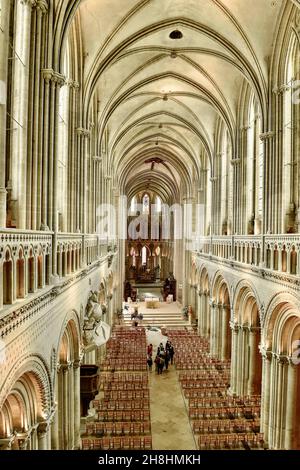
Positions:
(280, 349)
(68, 261)
(31, 272)
(23, 414)
(40, 267)
(20, 276)
(284, 260)
(246, 371)
(203, 305)
(220, 332)
(7, 279)
(68, 379)
(144, 256)
(275, 259)
(63, 263)
(268, 257)
(293, 261)
(47, 269)
(146, 204)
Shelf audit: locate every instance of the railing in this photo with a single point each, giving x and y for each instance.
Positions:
(26, 259)
(275, 252)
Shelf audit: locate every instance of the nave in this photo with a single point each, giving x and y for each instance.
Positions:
(149, 144)
(187, 407)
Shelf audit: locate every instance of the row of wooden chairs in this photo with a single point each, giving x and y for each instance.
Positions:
(202, 375)
(139, 415)
(125, 366)
(118, 428)
(231, 441)
(124, 378)
(220, 401)
(120, 386)
(121, 405)
(118, 443)
(204, 384)
(226, 426)
(126, 395)
(208, 392)
(225, 413)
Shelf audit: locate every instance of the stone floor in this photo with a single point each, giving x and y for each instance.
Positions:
(170, 424)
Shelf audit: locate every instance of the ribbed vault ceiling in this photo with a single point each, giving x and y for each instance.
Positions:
(162, 98)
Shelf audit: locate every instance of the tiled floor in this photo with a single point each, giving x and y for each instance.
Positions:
(169, 419)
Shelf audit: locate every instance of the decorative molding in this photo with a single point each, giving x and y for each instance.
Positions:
(267, 136)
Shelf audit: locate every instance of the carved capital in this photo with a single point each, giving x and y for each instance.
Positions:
(47, 75)
(43, 427)
(265, 136)
(235, 161)
(59, 79)
(281, 89)
(42, 6)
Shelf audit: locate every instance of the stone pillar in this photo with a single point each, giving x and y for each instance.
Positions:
(212, 327)
(47, 75)
(65, 406)
(291, 406)
(253, 350)
(200, 313)
(71, 411)
(20, 113)
(4, 51)
(76, 371)
(54, 426)
(280, 411)
(234, 358)
(42, 432)
(224, 333)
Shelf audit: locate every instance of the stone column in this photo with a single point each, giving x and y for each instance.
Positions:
(42, 432)
(200, 313)
(4, 51)
(265, 390)
(234, 358)
(47, 75)
(224, 333)
(291, 406)
(71, 411)
(19, 121)
(54, 426)
(253, 350)
(76, 371)
(212, 327)
(65, 406)
(280, 412)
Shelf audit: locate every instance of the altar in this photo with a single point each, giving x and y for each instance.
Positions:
(152, 302)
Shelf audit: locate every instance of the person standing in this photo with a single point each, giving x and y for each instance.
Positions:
(150, 362)
(167, 359)
(171, 352)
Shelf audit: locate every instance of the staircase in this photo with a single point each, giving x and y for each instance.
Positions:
(167, 315)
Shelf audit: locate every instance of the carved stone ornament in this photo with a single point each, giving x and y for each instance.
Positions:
(95, 331)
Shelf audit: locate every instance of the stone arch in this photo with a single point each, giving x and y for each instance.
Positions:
(25, 404)
(220, 307)
(67, 385)
(246, 371)
(203, 303)
(7, 275)
(280, 350)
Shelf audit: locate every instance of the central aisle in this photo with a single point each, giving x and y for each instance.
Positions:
(170, 424)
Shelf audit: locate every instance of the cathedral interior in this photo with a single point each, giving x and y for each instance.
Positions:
(149, 164)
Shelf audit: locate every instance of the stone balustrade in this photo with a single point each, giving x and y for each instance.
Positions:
(26, 260)
(270, 252)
